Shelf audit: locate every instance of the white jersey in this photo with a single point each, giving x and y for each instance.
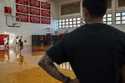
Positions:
(17, 46)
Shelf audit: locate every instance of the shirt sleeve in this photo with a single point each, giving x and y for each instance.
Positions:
(57, 53)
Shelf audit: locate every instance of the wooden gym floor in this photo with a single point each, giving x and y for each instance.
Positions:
(27, 71)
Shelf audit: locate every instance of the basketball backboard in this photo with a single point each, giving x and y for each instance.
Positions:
(11, 21)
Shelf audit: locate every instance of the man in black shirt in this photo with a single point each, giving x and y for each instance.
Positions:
(95, 50)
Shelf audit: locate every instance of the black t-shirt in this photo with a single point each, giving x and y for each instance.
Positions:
(96, 53)
(21, 43)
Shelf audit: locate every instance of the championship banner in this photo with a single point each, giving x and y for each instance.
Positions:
(32, 11)
(21, 17)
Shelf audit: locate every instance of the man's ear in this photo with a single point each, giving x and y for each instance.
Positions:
(86, 12)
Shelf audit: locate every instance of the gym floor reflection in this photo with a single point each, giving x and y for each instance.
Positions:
(24, 69)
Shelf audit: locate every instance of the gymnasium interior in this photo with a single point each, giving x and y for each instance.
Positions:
(41, 23)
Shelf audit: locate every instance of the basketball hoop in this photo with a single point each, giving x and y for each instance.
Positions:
(10, 19)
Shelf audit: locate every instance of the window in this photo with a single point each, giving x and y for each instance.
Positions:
(70, 19)
(109, 15)
(63, 20)
(67, 20)
(74, 19)
(104, 16)
(74, 26)
(70, 22)
(104, 19)
(78, 22)
(109, 23)
(83, 22)
(70, 26)
(120, 18)
(123, 18)
(59, 26)
(123, 22)
(118, 14)
(60, 23)
(107, 19)
(67, 23)
(78, 18)
(118, 22)
(78, 25)
(74, 22)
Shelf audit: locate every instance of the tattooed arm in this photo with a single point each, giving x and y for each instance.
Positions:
(47, 64)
